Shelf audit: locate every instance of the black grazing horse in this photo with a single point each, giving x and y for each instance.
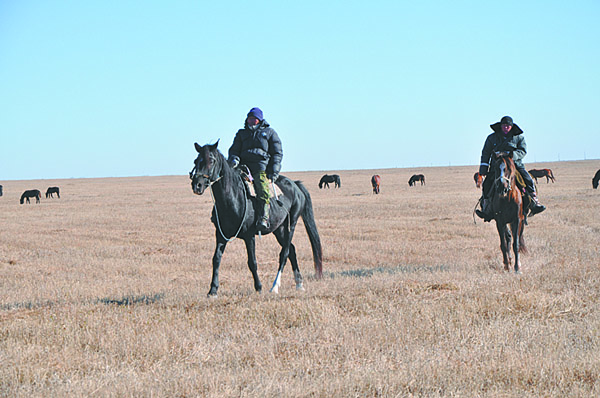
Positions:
(542, 173)
(32, 193)
(326, 179)
(416, 178)
(596, 179)
(234, 215)
(507, 205)
(375, 182)
(51, 191)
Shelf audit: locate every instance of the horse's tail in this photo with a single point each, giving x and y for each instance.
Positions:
(308, 217)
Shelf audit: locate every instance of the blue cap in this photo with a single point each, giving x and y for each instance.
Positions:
(256, 112)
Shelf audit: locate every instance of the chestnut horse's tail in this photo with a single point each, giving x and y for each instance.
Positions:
(308, 217)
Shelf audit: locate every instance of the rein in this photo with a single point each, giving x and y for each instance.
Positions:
(212, 196)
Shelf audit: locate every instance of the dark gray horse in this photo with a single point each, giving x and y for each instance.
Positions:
(51, 191)
(416, 178)
(327, 179)
(234, 215)
(32, 193)
(596, 179)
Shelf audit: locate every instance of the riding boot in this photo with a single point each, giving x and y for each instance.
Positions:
(486, 210)
(263, 221)
(535, 206)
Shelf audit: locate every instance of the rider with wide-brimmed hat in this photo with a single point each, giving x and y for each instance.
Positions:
(507, 137)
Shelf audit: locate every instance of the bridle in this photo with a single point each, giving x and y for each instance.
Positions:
(498, 182)
(194, 174)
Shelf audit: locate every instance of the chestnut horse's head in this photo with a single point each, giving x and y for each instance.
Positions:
(505, 173)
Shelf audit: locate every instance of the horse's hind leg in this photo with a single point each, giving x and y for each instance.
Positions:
(294, 260)
(284, 237)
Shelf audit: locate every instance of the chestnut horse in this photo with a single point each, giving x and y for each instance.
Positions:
(542, 173)
(507, 205)
(596, 179)
(478, 179)
(375, 181)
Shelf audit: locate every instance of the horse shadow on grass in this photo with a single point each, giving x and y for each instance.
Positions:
(129, 300)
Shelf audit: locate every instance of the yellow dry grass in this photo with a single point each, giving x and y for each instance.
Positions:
(103, 293)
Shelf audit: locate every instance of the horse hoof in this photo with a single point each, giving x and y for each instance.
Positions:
(275, 290)
(300, 288)
(211, 295)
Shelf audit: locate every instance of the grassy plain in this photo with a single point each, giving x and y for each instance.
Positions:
(103, 293)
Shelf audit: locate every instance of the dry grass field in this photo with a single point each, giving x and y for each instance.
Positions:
(103, 294)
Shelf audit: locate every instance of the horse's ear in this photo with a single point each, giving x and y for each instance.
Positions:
(214, 146)
(198, 147)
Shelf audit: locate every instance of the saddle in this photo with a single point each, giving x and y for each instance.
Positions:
(249, 185)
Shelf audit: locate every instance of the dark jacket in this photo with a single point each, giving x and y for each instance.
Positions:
(498, 142)
(259, 149)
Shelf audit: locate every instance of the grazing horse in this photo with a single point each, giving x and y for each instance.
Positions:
(507, 206)
(415, 178)
(326, 179)
(542, 173)
(235, 214)
(51, 191)
(375, 181)
(478, 179)
(596, 179)
(32, 193)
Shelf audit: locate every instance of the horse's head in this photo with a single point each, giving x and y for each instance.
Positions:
(207, 167)
(505, 172)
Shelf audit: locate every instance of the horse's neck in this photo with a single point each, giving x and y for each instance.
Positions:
(228, 190)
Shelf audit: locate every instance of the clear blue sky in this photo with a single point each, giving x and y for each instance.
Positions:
(124, 88)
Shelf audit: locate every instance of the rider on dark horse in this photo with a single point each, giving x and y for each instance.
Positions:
(507, 137)
(258, 146)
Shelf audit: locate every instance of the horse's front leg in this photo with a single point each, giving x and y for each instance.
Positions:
(251, 251)
(502, 230)
(516, 232)
(216, 262)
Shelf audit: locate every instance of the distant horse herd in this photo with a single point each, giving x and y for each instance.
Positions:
(35, 193)
(415, 178)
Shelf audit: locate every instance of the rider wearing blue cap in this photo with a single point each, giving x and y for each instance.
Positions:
(258, 146)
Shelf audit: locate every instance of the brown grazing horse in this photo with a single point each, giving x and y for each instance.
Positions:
(507, 205)
(375, 181)
(478, 179)
(416, 178)
(596, 179)
(542, 173)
